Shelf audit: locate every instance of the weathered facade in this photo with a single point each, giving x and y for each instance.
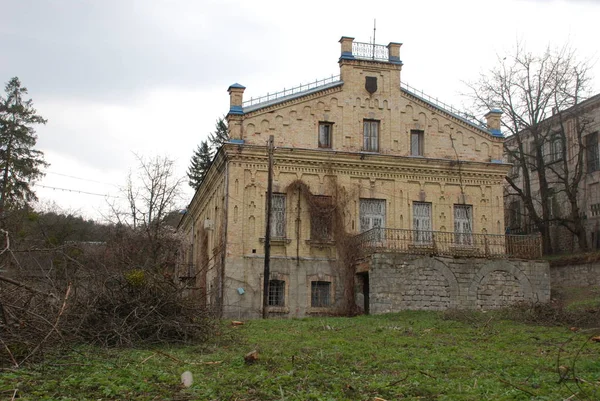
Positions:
(352, 153)
(569, 148)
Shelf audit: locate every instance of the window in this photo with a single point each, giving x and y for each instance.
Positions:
(591, 146)
(372, 214)
(463, 224)
(514, 170)
(276, 293)
(371, 136)
(514, 216)
(531, 155)
(556, 148)
(320, 294)
(416, 143)
(321, 218)
(422, 222)
(325, 131)
(278, 216)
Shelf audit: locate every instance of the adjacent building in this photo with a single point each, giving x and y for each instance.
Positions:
(568, 145)
(356, 153)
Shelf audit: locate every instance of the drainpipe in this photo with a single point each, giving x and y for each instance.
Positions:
(224, 235)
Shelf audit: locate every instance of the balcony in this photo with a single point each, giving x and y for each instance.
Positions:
(442, 243)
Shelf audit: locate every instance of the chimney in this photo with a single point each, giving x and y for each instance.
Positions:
(493, 122)
(236, 112)
(346, 48)
(236, 96)
(394, 52)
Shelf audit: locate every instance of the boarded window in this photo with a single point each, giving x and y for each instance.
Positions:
(320, 294)
(278, 216)
(422, 222)
(372, 214)
(371, 136)
(463, 224)
(276, 293)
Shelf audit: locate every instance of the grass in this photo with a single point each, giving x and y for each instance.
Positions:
(409, 356)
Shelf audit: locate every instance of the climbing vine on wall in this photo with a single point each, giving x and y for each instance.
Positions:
(328, 224)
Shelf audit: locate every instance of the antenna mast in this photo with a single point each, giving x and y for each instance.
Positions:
(374, 29)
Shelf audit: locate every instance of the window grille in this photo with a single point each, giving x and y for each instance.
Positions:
(321, 220)
(422, 222)
(276, 293)
(278, 216)
(463, 224)
(372, 214)
(320, 294)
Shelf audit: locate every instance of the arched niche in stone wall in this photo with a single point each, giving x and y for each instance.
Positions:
(501, 279)
(430, 274)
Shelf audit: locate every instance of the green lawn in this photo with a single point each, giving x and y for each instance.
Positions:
(410, 355)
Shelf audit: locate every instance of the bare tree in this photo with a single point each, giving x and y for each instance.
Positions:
(536, 94)
(152, 193)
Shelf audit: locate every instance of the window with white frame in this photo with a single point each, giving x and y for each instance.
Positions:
(320, 294)
(372, 214)
(422, 222)
(463, 224)
(325, 131)
(371, 135)
(278, 216)
(417, 138)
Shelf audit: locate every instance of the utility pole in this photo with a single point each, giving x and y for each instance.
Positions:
(267, 270)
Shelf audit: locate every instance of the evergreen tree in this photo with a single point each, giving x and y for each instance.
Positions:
(20, 163)
(199, 164)
(221, 134)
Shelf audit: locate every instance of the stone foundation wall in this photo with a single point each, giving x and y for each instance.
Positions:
(399, 282)
(583, 275)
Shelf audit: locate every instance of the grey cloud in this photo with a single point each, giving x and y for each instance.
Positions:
(104, 49)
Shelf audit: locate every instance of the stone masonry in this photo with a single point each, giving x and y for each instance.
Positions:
(399, 282)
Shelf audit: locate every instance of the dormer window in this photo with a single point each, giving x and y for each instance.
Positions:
(371, 136)
(325, 133)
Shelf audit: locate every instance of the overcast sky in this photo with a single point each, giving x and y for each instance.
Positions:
(116, 78)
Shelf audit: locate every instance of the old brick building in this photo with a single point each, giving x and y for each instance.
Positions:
(356, 153)
(568, 145)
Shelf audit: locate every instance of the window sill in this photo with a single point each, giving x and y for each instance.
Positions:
(320, 243)
(278, 309)
(276, 241)
(313, 310)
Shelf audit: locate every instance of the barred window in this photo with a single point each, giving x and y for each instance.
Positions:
(422, 222)
(320, 294)
(463, 224)
(278, 216)
(276, 293)
(372, 214)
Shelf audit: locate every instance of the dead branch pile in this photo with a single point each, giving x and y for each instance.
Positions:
(117, 293)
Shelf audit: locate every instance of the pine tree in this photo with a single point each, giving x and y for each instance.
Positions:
(199, 165)
(221, 134)
(20, 163)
